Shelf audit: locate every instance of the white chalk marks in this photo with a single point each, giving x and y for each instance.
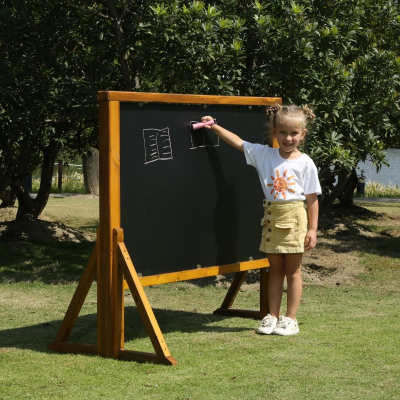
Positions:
(202, 138)
(157, 145)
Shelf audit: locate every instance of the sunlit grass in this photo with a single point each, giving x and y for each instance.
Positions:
(75, 212)
(347, 347)
(376, 189)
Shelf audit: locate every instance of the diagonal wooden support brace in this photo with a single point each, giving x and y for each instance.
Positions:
(163, 355)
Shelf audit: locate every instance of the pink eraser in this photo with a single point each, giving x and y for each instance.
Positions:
(202, 124)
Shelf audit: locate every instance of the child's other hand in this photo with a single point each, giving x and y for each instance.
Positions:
(206, 119)
(311, 239)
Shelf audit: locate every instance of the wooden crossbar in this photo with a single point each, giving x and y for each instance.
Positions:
(181, 276)
(185, 98)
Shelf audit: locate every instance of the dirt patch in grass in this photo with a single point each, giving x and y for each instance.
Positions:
(341, 237)
(343, 234)
(42, 230)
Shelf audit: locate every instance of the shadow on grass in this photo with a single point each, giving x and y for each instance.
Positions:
(384, 246)
(48, 263)
(348, 234)
(37, 337)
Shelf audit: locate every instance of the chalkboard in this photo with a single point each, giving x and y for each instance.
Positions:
(187, 198)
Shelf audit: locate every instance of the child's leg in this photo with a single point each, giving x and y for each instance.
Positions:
(275, 285)
(294, 283)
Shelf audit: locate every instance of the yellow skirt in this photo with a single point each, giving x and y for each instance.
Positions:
(284, 227)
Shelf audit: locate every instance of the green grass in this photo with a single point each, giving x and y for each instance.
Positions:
(55, 263)
(347, 347)
(381, 207)
(81, 213)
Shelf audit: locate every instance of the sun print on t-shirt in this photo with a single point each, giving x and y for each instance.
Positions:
(281, 184)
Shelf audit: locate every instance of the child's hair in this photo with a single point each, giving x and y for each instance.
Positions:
(276, 112)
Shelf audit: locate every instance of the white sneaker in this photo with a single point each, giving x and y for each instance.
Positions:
(286, 326)
(268, 324)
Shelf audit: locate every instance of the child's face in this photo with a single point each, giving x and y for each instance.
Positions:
(288, 132)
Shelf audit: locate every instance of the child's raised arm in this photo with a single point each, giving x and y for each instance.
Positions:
(229, 137)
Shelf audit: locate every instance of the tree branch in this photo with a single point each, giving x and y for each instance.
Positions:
(125, 10)
(119, 35)
(87, 10)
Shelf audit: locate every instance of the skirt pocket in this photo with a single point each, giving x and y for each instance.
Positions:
(285, 230)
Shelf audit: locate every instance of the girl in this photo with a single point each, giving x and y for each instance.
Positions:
(290, 183)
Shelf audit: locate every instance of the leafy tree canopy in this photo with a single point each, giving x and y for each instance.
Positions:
(340, 56)
(47, 102)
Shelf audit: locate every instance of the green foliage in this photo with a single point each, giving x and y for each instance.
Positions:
(46, 100)
(72, 182)
(340, 56)
(72, 178)
(50, 69)
(341, 59)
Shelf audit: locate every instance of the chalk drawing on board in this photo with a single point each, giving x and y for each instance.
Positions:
(157, 145)
(202, 138)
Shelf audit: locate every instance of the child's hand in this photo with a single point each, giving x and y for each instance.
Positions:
(206, 119)
(311, 239)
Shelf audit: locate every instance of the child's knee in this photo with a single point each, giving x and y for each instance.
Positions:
(277, 271)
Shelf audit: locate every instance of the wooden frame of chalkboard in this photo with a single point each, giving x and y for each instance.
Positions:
(111, 261)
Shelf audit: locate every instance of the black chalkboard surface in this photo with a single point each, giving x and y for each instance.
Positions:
(187, 198)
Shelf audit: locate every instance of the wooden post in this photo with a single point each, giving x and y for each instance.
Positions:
(264, 303)
(108, 336)
(60, 171)
(118, 295)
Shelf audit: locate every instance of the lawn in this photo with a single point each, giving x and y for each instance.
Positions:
(347, 347)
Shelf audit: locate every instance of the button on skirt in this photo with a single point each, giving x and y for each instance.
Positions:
(284, 226)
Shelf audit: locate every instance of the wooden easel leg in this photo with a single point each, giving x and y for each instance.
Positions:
(77, 301)
(163, 355)
(118, 299)
(264, 304)
(233, 290)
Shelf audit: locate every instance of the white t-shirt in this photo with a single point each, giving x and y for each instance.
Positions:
(282, 179)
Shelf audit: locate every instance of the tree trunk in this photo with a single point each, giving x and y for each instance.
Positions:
(8, 198)
(337, 191)
(29, 208)
(347, 195)
(91, 172)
